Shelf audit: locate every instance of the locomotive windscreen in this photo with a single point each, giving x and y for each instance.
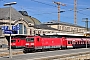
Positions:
(13, 41)
(30, 39)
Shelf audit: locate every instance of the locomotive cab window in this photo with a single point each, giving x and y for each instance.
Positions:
(13, 41)
(30, 39)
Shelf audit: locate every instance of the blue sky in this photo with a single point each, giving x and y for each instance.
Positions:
(46, 10)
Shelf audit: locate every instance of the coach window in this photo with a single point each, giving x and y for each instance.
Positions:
(80, 42)
(68, 42)
(76, 42)
(87, 42)
(84, 42)
(71, 42)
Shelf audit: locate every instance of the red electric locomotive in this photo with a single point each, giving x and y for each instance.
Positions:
(18, 41)
(44, 42)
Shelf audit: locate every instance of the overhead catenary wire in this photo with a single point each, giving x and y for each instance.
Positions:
(48, 5)
(43, 3)
(83, 14)
(51, 13)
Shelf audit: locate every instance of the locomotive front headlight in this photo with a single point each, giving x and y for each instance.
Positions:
(27, 43)
(32, 43)
(13, 44)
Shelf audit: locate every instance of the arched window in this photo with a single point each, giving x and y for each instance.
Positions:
(22, 29)
(25, 30)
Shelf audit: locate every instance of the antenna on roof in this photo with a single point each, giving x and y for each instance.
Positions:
(22, 9)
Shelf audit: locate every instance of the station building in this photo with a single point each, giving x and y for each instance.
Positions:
(31, 26)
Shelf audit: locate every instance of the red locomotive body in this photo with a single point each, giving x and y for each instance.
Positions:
(39, 43)
(18, 42)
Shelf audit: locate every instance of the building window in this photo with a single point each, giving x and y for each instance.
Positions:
(71, 29)
(59, 27)
(30, 31)
(25, 30)
(21, 28)
(63, 27)
(67, 28)
(80, 30)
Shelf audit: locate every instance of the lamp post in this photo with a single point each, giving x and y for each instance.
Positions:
(9, 4)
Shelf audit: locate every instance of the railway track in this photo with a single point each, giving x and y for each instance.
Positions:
(77, 56)
(52, 55)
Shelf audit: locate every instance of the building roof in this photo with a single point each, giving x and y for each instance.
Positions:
(41, 26)
(62, 23)
(5, 14)
(32, 19)
(15, 15)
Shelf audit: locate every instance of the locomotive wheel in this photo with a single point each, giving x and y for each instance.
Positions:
(24, 50)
